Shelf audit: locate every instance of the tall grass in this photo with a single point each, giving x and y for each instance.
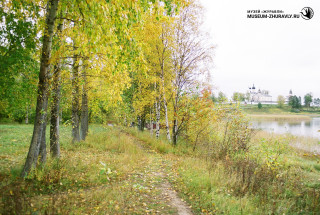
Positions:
(94, 176)
(232, 171)
(239, 171)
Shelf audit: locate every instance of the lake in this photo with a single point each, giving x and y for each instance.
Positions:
(307, 128)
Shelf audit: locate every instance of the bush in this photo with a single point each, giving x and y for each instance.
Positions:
(233, 137)
(281, 100)
(259, 105)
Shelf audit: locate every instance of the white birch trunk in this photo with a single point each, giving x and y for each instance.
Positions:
(157, 104)
(166, 115)
(151, 122)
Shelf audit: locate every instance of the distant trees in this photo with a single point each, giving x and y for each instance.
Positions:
(238, 97)
(295, 102)
(222, 97)
(280, 101)
(307, 99)
(213, 97)
(248, 96)
(316, 101)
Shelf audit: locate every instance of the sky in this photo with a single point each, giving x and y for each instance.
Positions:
(273, 54)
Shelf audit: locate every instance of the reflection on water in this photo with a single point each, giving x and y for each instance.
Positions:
(302, 128)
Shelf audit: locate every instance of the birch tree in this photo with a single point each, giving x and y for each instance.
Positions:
(56, 94)
(190, 56)
(42, 100)
(103, 34)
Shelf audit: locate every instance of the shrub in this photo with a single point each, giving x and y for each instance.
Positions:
(280, 100)
(259, 105)
(233, 138)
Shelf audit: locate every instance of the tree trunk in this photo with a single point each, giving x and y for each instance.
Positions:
(27, 114)
(174, 132)
(61, 111)
(165, 105)
(84, 109)
(164, 94)
(125, 121)
(55, 107)
(142, 122)
(166, 115)
(55, 119)
(151, 122)
(157, 104)
(42, 99)
(175, 122)
(43, 145)
(75, 101)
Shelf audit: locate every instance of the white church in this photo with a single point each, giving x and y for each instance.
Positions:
(261, 96)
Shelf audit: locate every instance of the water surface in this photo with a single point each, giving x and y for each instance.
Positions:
(307, 128)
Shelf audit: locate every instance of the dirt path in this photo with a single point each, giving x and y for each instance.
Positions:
(175, 201)
(157, 172)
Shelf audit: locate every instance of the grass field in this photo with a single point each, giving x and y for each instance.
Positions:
(116, 171)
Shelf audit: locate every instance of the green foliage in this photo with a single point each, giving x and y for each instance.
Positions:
(259, 105)
(222, 97)
(280, 101)
(307, 99)
(238, 97)
(18, 67)
(316, 101)
(317, 167)
(295, 102)
(214, 98)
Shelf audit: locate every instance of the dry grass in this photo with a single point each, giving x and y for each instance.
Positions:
(107, 174)
(301, 144)
(269, 177)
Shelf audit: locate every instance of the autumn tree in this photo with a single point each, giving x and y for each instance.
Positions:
(101, 34)
(159, 39)
(38, 138)
(190, 53)
(56, 94)
(201, 119)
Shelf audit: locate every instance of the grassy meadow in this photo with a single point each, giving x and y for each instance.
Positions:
(116, 171)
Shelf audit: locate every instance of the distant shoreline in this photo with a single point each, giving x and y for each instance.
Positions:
(268, 112)
(281, 116)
